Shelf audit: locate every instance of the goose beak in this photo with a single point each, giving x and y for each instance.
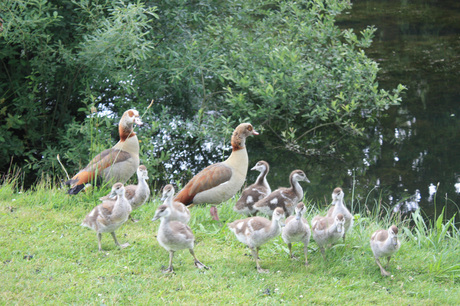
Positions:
(298, 217)
(155, 218)
(138, 121)
(254, 132)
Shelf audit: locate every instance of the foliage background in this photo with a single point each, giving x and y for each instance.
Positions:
(71, 68)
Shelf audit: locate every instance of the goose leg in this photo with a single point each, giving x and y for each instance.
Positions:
(382, 270)
(290, 250)
(388, 262)
(214, 214)
(122, 246)
(198, 264)
(322, 252)
(99, 238)
(115, 238)
(170, 269)
(305, 251)
(255, 254)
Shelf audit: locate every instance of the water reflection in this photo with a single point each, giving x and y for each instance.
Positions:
(416, 44)
(412, 204)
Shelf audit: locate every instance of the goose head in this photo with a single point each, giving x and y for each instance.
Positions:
(340, 222)
(261, 166)
(300, 210)
(125, 127)
(393, 235)
(168, 192)
(142, 172)
(240, 134)
(278, 216)
(118, 190)
(337, 195)
(299, 175)
(161, 212)
(131, 116)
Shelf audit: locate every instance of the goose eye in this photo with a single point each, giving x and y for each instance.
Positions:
(249, 128)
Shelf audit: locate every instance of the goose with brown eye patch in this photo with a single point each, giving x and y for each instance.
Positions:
(385, 243)
(117, 164)
(174, 236)
(255, 192)
(286, 198)
(255, 231)
(110, 215)
(338, 207)
(327, 230)
(138, 194)
(219, 182)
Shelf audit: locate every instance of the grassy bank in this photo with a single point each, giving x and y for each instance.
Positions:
(48, 258)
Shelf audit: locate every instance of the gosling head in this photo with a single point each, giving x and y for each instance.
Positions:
(393, 234)
(340, 221)
(162, 211)
(300, 210)
(261, 166)
(168, 192)
(142, 172)
(278, 215)
(299, 175)
(337, 195)
(118, 189)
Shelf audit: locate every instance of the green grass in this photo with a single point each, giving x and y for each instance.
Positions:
(46, 257)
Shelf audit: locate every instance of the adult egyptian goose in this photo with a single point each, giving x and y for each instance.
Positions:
(255, 192)
(219, 182)
(174, 236)
(178, 211)
(117, 164)
(286, 198)
(327, 230)
(338, 207)
(110, 215)
(297, 230)
(384, 243)
(255, 231)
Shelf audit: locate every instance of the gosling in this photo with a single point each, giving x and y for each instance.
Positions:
(297, 230)
(384, 243)
(138, 194)
(255, 192)
(327, 230)
(110, 215)
(338, 207)
(179, 211)
(255, 231)
(174, 236)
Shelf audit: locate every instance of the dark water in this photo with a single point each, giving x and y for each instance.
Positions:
(417, 44)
